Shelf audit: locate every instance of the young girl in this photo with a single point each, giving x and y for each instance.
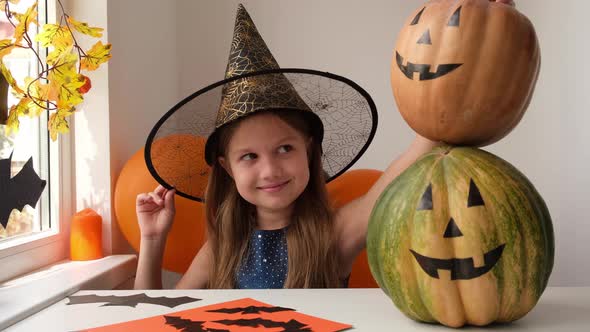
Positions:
(269, 222)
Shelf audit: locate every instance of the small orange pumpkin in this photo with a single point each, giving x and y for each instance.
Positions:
(463, 72)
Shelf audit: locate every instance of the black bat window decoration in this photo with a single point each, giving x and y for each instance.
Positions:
(24, 188)
(130, 300)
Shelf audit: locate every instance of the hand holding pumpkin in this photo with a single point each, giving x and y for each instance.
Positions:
(155, 213)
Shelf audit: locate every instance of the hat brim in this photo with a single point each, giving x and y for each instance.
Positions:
(346, 110)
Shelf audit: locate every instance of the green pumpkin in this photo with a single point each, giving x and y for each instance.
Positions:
(461, 237)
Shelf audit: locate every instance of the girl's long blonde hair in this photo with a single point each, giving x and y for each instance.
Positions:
(312, 258)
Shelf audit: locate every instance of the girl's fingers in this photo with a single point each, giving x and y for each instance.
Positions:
(169, 199)
(160, 190)
(156, 198)
(142, 199)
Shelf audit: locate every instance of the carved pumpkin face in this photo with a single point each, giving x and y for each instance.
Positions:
(460, 268)
(463, 72)
(461, 237)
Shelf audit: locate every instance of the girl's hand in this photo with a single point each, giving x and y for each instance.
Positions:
(155, 213)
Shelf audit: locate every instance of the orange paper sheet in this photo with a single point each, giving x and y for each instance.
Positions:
(240, 315)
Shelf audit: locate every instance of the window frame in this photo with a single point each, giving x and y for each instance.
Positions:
(29, 252)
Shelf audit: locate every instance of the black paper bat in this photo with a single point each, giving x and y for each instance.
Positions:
(25, 188)
(130, 300)
(251, 310)
(187, 325)
(290, 326)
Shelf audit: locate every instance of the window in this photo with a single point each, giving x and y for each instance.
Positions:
(26, 144)
(32, 237)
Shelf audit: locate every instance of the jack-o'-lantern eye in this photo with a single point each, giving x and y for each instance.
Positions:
(474, 198)
(417, 17)
(455, 19)
(426, 200)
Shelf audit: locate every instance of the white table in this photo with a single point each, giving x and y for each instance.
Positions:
(560, 309)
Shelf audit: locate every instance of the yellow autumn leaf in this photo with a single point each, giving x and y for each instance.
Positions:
(55, 35)
(58, 55)
(8, 77)
(55, 84)
(22, 108)
(58, 123)
(30, 16)
(36, 90)
(64, 82)
(99, 53)
(64, 70)
(3, 3)
(65, 63)
(25, 106)
(34, 110)
(70, 97)
(38, 93)
(6, 47)
(12, 123)
(84, 28)
(68, 94)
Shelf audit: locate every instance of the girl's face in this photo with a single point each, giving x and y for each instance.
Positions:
(268, 161)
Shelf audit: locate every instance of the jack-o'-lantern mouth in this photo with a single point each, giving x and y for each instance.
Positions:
(461, 268)
(424, 69)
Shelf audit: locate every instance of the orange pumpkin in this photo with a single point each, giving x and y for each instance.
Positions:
(463, 72)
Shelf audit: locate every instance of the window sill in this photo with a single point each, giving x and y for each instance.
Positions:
(26, 295)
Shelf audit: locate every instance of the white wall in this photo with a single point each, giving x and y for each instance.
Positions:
(162, 53)
(143, 78)
(91, 183)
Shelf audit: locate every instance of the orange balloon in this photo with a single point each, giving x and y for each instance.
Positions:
(187, 234)
(343, 189)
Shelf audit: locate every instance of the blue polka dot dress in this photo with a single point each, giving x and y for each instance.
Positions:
(265, 265)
